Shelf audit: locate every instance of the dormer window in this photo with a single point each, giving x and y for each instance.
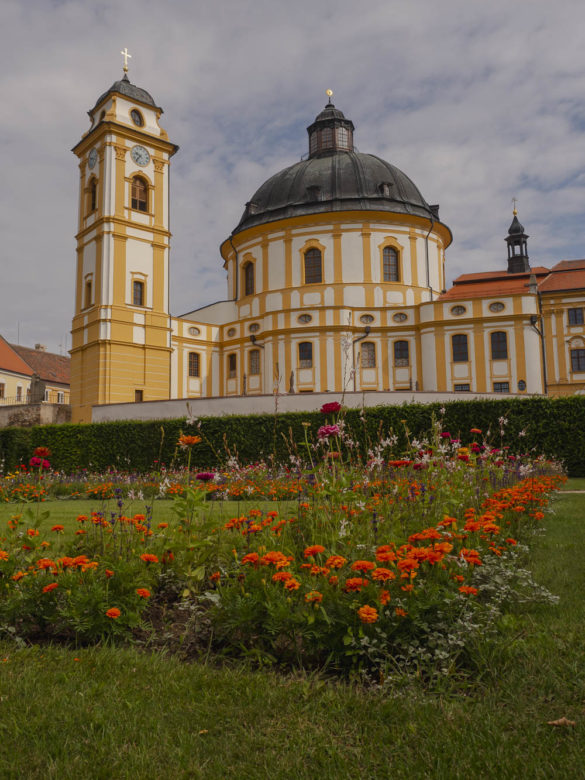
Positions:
(385, 189)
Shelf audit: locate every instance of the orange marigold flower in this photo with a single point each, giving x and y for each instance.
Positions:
(381, 575)
(399, 612)
(81, 518)
(385, 556)
(42, 452)
(355, 583)
(216, 576)
(475, 430)
(109, 573)
(51, 586)
(144, 593)
(275, 558)
(468, 590)
(313, 595)
(46, 563)
(336, 561)
(364, 566)
(511, 541)
(292, 584)
(407, 588)
(18, 575)
(314, 549)
(408, 564)
(188, 441)
(368, 614)
(59, 528)
(281, 576)
(32, 532)
(385, 597)
(470, 556)
(163, 525)
(149, 558)
(333, 580)
(3, 555)
(113, 613)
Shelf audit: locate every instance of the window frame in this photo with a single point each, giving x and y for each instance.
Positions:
(138, 285)
(137, 203)
(501, 387)
(462, 387)
(575, 316)
(401, 360)
(313, 265)
(254, 362)
(194, 365)
(92, 195)
(305, 353)
(390, 264)
(249, 280)
(368, 360)
(577, 360)
(459, 348)
(232, 365)
(499, 346)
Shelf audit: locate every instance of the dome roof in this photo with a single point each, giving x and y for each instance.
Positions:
(338, 181)
(124, 87)
(516, 229)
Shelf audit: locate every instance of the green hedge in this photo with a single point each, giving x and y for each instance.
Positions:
(553, 426)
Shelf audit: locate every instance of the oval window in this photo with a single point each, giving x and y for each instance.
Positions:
(137, 117)
(304, 318)
(254, 327)
(400, 317)
(231, 332)
(194, 331)
(497, 306)
(458, 310)
(521, 385)
(366, 318)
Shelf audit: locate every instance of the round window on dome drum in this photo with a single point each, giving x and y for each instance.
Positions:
(457, 311)
(304, 318)
(366, 319)
(400, 317)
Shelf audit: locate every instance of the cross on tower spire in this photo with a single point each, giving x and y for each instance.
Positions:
(126, 56)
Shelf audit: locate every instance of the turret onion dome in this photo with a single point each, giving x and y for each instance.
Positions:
(515, 229)
(335, 177)
(129, 90)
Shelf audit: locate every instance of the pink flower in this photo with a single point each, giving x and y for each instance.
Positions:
(325, 431)
(331, 408)
(205, 476)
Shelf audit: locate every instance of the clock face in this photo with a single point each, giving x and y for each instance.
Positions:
(140, 155)
(92, 159)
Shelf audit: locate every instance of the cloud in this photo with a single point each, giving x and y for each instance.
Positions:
(476, 103)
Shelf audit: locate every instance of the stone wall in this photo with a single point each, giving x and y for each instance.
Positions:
(27, 415)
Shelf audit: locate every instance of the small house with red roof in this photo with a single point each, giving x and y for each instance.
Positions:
(32, 375)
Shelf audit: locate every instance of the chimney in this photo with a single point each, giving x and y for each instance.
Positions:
(40, 347)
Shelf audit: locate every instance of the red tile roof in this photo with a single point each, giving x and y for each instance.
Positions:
(492, 283)
(11, 361)
(51, 368)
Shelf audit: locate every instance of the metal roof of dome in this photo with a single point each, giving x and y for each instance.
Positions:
(125, 87)
(340, 181)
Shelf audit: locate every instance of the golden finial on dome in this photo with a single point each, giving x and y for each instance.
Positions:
(126, 56)
(329, 93)
(515, 211)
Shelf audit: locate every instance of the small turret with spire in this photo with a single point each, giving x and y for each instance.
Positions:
(517, 246)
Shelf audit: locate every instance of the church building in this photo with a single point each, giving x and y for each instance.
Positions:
(335, 282)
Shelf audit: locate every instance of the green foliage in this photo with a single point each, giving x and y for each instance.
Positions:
(548, 425)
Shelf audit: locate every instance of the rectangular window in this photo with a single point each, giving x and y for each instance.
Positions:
(306, 355)
(2, 390)
(577, 360)
(368, 354)
(60, 397)
(499, 345)
(138, 396)
(313, 267)
(575, 316)
(459, 344)
(87, 302)
(401, 353)
(47, 394)
(390, 263)
(462, 388)
(501, 387)
(254, 362)
(232, 366)
(194, 364)
(138, 293)
(19, 393)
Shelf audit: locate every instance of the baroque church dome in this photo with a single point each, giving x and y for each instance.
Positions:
(125, 87)
(335, 177)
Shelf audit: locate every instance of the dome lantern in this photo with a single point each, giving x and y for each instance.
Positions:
(517, 241)
(330, 132)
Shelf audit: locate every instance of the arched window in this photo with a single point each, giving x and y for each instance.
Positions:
(390, 263)
(313, 267)
(137, 293)
(194, 363)
(232, 365)
(305, 354)
(254, 362)
(368, 354)
(401, 353)
(249, 279)
(459, 347)
(139, 194)
(499, 345)
(93, 195)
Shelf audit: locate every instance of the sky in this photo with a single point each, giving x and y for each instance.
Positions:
(476, 102)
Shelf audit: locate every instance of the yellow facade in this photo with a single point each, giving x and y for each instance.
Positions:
(346, 297)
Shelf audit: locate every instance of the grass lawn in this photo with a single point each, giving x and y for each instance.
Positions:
(119, 713)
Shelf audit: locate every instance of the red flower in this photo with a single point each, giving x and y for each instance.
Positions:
(313, 550)
(363, 566)
(42, 452)
(331, 408)
(59, 528)
(368, 614)
(149, 558)
(109, 573)
(143, 593)
(113, 613)
(468, 590)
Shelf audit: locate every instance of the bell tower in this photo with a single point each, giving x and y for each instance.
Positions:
(121, 333)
